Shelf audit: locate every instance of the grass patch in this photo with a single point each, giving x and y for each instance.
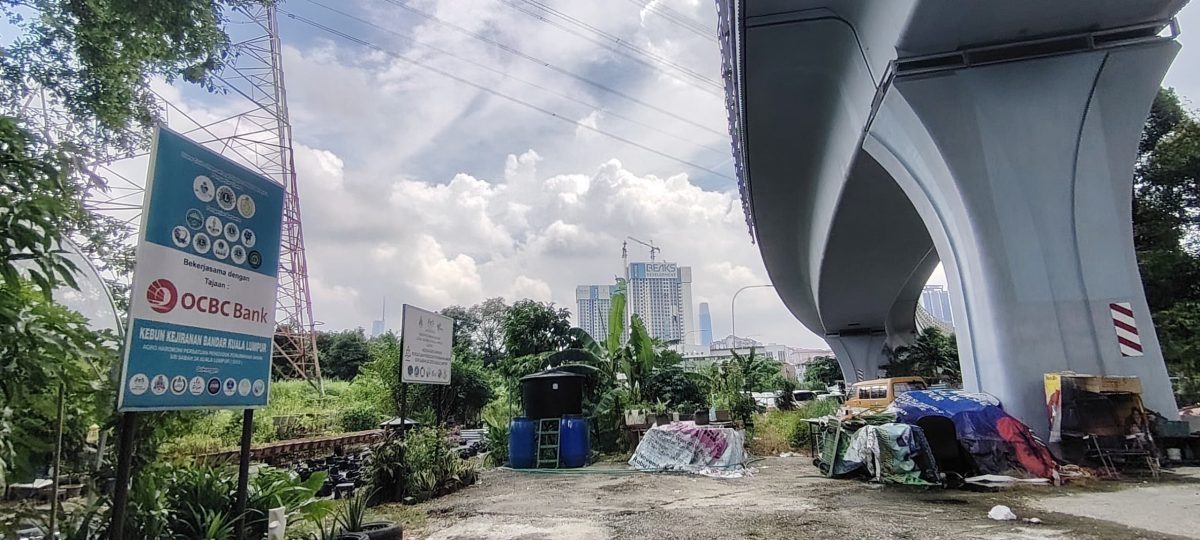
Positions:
(294, 410)
(409, 517)
(778, 431)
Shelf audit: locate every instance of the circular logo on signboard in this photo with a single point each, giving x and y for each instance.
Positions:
(259, 387)
(244, 387)
(238, 254)
(220, 248)
(225, 198)
(201, 243)
(214, 386)
(194, 219)
(246, 206)
(138, 384)
(231, 231)
(213, 226)
(178, 385)
(162, 295)
(248, 237)
(230, 386)
(196, 386)
(203, 187)
(255, 259)
(158, 384)
(181, 236)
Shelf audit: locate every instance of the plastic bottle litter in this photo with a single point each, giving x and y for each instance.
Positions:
(1001, 513)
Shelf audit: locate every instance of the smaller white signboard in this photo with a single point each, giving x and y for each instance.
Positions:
(428, 339)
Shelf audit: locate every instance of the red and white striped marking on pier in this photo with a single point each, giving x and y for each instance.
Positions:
(1127, 333)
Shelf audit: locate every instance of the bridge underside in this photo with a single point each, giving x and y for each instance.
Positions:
(1011, 164)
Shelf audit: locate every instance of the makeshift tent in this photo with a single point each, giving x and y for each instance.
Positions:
(684, 446)
(995, 442)
(892, 453)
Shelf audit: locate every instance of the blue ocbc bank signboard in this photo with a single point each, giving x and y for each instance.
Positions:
(202, 314)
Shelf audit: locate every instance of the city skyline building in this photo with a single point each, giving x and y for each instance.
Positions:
(593, 303)
(936, 300)
(706, 336)
(378, 327)
(661, 294)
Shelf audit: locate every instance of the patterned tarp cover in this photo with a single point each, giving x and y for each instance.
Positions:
(892, 453)
(684, 446)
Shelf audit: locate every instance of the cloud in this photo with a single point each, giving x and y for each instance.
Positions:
(429, 191)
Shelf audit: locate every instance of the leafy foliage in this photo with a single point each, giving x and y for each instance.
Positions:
(460, 401)
(532, 327)
(96, 58)
(193, 501)
(342, 353)
(38, 207)
(1167, 235)
(358, 418)
(782, 431)
(686, 392)
(727, 389)
(934, 356)
(758, 373)
(420, 462)
(43, 345)
(822, 372)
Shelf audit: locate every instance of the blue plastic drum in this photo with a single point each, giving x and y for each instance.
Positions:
(573, 444)
(522, 443)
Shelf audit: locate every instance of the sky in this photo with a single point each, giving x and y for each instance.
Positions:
(513, 178)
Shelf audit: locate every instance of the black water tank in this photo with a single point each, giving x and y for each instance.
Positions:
(552, 394)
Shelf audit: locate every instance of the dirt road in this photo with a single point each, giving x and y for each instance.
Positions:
(785, 498)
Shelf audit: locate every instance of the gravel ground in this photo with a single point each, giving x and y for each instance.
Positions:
(785, 498)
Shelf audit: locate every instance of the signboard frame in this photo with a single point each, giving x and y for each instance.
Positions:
(205, 283)
(427, 339)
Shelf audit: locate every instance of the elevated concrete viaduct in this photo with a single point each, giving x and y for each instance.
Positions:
(874, 139)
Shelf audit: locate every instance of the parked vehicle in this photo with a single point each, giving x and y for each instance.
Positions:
(877, 394)
(834, 396)
(800, 396)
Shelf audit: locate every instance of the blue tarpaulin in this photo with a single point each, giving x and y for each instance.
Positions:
(996, 442)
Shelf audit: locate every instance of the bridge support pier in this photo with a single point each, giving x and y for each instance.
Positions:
(1022, 173)
(859, 355)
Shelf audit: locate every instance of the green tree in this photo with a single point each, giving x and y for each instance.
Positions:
(92, 61)
(466, 324)
(822, 372)
(459, 402)
(684, 391)
(1166, 203)
(342, 353)
(758, 372)
(934, 356)
(47, 346)
(532, 327)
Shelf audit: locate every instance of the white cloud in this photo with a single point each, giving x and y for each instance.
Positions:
(428, 191)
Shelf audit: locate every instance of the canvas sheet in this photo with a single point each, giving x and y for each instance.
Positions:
(684, 446)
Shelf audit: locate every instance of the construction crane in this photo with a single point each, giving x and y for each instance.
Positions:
(653, 249)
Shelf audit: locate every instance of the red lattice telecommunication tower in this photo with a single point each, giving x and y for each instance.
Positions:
(256, 132)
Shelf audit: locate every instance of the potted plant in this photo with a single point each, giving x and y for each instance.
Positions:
(635, 417)
(661, 417)
(352, 518)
